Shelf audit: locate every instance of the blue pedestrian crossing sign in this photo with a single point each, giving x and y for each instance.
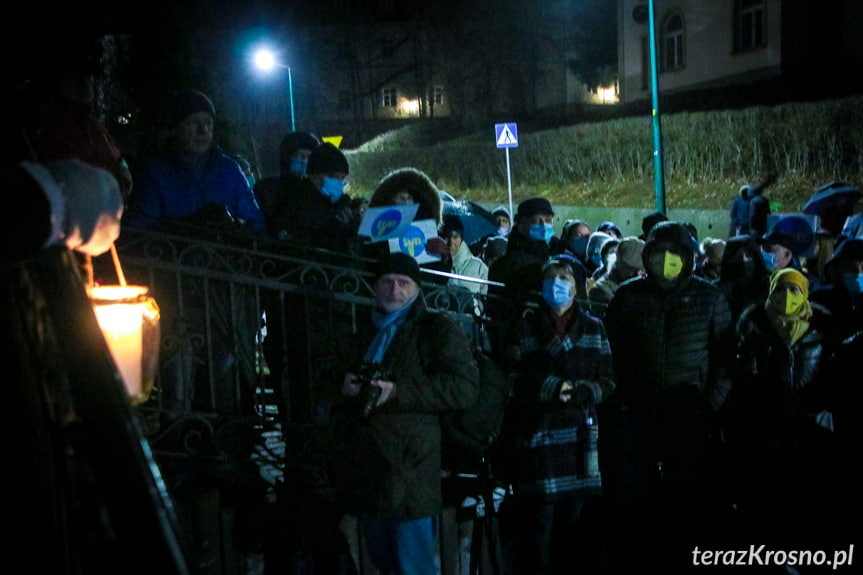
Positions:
(506, 135)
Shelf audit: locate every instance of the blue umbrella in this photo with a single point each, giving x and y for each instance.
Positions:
(834, 194)
(478, 221)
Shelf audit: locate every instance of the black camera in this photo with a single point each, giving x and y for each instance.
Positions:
(369, 394)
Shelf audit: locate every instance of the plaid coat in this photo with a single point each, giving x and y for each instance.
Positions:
(553, 446)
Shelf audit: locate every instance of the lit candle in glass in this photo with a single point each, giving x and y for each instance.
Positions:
(129, 320)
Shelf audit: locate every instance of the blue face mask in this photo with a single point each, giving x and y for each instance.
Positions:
(542, 232)
(853, 283)
(769, 260)
(251, 180)
(333, 189)
(557, 291)
(578, 245)
(298, 166)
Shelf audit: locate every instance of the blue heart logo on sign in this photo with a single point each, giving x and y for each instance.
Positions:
(413, 242)
(385, 223)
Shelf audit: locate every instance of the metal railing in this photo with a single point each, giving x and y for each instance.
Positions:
(247, 332)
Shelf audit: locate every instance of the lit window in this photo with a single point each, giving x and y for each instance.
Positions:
(388, 98)
(672, 35)
(749, 25)
(437, 95)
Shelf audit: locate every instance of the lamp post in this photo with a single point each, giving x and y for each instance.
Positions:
(266, 61)
(657, 129)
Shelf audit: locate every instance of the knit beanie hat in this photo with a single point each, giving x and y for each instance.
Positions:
(533, 206)
(399, 263)
(629, 253)
(327, 159)
(185, 102)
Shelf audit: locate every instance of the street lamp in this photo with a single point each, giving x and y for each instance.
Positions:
(266, 61)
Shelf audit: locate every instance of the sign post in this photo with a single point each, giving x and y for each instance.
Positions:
(506, 136)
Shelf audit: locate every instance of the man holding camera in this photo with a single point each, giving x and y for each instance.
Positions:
(389, 466)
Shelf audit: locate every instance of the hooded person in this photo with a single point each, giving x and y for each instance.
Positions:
(574, 237)
(624, 265)
(294, 152)
(781, 413)
(669, 333)
(317, 214)
(739, 212)
(610, 228)
(412, 186)
(503, 220)
(759, 211)
(464, 263)
(593, 252)
(709, 264)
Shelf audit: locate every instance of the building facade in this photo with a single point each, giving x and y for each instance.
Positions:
(726, 43)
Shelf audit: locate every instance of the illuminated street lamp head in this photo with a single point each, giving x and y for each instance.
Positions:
(265, 60)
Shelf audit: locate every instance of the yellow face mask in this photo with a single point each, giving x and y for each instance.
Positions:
(788, 301)
(672, 265)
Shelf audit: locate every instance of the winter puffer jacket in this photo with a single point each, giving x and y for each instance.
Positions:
(670, 344)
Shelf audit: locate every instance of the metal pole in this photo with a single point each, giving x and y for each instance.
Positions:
(509, 184)
(657, 130)
(291, 97)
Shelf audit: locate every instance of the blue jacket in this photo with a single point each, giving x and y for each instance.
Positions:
(165, 189)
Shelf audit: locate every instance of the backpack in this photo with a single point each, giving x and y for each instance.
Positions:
(468, 433)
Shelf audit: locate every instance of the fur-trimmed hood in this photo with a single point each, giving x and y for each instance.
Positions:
(420, 186)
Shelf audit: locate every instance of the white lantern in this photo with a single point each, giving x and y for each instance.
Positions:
(129, 319)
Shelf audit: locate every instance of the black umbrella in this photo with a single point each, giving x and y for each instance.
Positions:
(831, 195)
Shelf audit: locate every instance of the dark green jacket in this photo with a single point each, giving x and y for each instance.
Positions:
(390, 463)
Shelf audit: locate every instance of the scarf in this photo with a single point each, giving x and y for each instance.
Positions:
(388, 325)
(789, 326)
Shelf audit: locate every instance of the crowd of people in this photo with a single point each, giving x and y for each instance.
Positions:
(668, 391)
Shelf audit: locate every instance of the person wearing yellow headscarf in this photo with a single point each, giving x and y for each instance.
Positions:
(788, 305)
(779, 418)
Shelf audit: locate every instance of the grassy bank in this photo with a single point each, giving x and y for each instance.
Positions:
(706, 157)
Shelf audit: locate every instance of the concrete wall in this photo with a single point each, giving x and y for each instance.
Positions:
(710, 223)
